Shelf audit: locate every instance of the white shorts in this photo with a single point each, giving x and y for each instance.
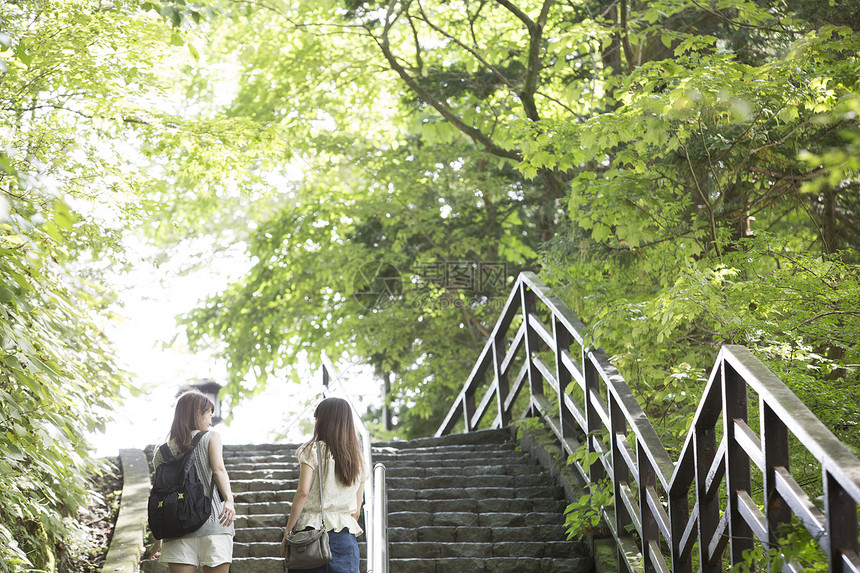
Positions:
(206, 550)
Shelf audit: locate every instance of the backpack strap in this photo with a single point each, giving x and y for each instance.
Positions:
(167, 455)
(319, 481)
(196, 439)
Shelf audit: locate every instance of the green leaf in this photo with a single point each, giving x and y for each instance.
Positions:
(6, 295)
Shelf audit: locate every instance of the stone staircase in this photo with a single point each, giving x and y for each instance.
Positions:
(465, 503)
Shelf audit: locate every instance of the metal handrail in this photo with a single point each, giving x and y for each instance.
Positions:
(375, 512)
(380, 529)
(653, 493)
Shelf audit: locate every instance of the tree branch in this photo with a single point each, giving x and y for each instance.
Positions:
(823, 314)
(473, 133)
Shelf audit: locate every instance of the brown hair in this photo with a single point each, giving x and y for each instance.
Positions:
(190, 404)
(334, 427)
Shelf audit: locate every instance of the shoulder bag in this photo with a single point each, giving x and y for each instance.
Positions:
(309, 549)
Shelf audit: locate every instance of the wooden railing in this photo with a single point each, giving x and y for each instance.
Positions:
(668, 516)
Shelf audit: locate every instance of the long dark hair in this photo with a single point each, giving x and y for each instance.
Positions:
(334, 427)
(189, 405)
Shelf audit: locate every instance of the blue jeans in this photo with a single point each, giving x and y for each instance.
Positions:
(344, 554)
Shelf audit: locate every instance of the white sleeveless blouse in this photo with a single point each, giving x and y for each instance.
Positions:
(340, 501)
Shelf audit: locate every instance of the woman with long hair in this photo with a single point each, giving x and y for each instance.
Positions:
(343, 475)
(211, 546)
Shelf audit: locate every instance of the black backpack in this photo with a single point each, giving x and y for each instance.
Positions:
(178, 503)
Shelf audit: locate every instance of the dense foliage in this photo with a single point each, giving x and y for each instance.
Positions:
(73, 75)
(683, 174)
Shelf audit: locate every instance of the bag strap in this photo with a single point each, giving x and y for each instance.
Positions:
(167, 454)
(320, 480)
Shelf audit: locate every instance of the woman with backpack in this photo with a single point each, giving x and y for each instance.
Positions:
(343, 475)
(210, 546)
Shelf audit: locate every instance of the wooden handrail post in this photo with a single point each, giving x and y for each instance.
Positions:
(567, 424)
(469, 410)
(650, 530)
(596, 471)
(620, 473)
(841, 515)
(705, 451)
(502, 385)
(679, 513)
(774, 439)
(528, 306)
(737, 462)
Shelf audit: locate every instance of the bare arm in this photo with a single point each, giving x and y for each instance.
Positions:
(222, 480)
(359, 499)
(306, 479)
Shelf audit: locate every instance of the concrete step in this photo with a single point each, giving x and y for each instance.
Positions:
(280, 507)
(480, 505)
(518, 468)
(465, 534)
(419, 459)
(262, 484)
(469, 519)
(499, 456)
(433, 550)
(447, 481)
(250, 497)
(263, 474)
(552, 492)
(444, 480)
(260, 520)
(492, 565)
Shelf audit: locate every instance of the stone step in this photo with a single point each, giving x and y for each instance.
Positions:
(482, 437)
(488, 505)
(491, 565)
(270, 534)
(393, 448)
(259, 449)
(522, 468)
(469, 519)
(273, 475)
(448, 481)
(260, 520)
(491, 439)
(553, 492)
(278, 507)
(257, 565)
(291, 466)
(433, 550)
(446, 534)
(493, 457)
(470, 466)
(250, 497)
(443, 455)
(282, 497)
(252, 485)
(428, 482)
